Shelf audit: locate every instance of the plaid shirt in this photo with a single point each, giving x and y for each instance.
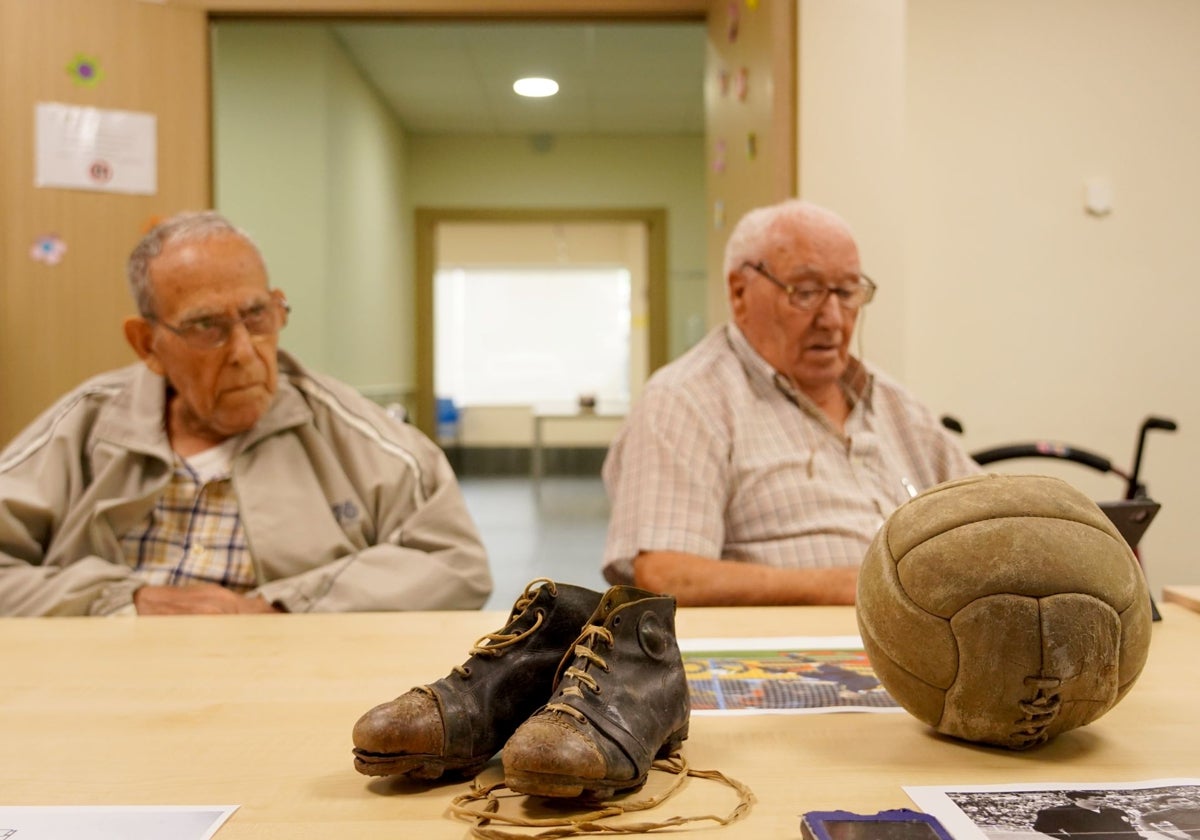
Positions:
(193, 534)
(723, 458)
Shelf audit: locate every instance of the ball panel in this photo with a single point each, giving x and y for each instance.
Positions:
(921, 700)
(1000, 645)
(1023, 555)
(1082, 639)
(984, 497)
(892, 621)
(1135, 639)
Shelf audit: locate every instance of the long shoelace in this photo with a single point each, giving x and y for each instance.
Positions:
(591, 822)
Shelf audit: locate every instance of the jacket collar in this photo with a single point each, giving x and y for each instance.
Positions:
(134, 418)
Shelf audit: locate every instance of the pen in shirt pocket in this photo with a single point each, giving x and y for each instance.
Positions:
(908, 485)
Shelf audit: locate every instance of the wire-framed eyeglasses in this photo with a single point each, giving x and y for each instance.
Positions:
(812, 294)
(208, 332)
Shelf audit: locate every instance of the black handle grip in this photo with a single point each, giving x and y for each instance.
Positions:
(1043, 449)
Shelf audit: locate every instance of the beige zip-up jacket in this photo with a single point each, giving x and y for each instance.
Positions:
(344, 508)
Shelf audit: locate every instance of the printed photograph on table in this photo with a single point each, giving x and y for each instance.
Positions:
(796, 675)
(1157, 809)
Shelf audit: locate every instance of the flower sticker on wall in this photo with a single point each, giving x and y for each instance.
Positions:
(742, 84)
(85, 70)
(48, 249)
(735, 15)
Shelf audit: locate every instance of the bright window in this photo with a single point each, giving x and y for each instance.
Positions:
(526, 336)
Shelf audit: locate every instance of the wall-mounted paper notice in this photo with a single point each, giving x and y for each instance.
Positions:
(96, 149)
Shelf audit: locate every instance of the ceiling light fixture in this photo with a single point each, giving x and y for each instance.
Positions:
(535, 86)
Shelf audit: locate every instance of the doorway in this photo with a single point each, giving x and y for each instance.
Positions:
(640, 233)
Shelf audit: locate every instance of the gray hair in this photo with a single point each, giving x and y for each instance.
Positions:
(183, 227)
(766, 229)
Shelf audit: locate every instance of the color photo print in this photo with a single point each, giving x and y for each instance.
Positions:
(793, 675)
(1161, 809)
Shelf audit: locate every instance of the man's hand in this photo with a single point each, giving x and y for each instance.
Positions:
(196, 599)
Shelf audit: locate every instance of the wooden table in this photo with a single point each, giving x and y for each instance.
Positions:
(257, 711)
(1188, 596)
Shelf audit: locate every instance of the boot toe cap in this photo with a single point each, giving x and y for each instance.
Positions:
(409, 725)
(549, 745)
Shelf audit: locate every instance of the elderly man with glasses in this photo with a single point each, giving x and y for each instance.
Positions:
(219, 475)
(757, 467)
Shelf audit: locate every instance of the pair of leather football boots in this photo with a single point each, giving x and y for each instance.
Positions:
(582, 690)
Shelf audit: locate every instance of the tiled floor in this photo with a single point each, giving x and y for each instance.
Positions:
(556, 533)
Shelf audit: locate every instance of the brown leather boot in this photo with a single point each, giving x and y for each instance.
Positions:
(463, 719)
(621, 700)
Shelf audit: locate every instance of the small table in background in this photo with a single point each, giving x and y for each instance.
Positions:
(608, 416)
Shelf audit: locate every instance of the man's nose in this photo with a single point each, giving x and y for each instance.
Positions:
(240, 343)
(830, 313)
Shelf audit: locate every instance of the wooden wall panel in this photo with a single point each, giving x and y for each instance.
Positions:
(60, 324)
(664, 9)
(750, 120)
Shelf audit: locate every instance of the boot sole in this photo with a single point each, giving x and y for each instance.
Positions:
(422, 767)
(568, 787)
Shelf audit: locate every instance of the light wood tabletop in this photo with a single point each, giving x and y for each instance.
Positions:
(257, 711)
(1188, 596)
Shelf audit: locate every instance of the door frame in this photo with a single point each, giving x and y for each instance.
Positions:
(653, 219)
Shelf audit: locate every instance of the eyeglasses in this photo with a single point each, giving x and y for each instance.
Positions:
(811, 294)
(209, 332)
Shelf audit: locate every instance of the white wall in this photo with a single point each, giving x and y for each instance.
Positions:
(311, 163)
(1019, 312)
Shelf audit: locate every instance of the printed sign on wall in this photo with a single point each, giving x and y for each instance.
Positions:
(96, 149)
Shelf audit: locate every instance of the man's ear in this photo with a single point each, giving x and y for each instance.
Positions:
(140, 335)
(281, 298)
(736, 284)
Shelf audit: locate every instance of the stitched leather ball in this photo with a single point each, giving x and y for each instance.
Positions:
(1003, 609)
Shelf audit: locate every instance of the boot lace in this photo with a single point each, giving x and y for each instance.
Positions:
(591, 637)
(481, 807)
(494, 644)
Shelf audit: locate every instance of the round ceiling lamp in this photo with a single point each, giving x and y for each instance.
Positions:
(535, 87)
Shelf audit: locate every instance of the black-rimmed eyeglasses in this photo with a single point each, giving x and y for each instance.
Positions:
(811, 294)
(209, 332)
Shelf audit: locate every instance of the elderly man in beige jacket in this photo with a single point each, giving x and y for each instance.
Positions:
(219, 475)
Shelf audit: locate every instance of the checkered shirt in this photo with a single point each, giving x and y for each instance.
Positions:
(722, 458)
(193, 534)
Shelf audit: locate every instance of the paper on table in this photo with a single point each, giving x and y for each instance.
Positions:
(782, 675)
(112, 822)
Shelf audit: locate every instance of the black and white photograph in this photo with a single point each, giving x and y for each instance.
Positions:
(1161, 809)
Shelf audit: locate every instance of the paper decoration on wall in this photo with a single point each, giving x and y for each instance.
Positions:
(719, 156)
(752, 5)
(48, 248)
(735, 14)
(718, 214)
(743, 83)
(723, 82)
(95, 149)
(85, 71)
(752, 145)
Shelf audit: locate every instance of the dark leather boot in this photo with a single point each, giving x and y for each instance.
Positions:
(463, 719)
(621, 699)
